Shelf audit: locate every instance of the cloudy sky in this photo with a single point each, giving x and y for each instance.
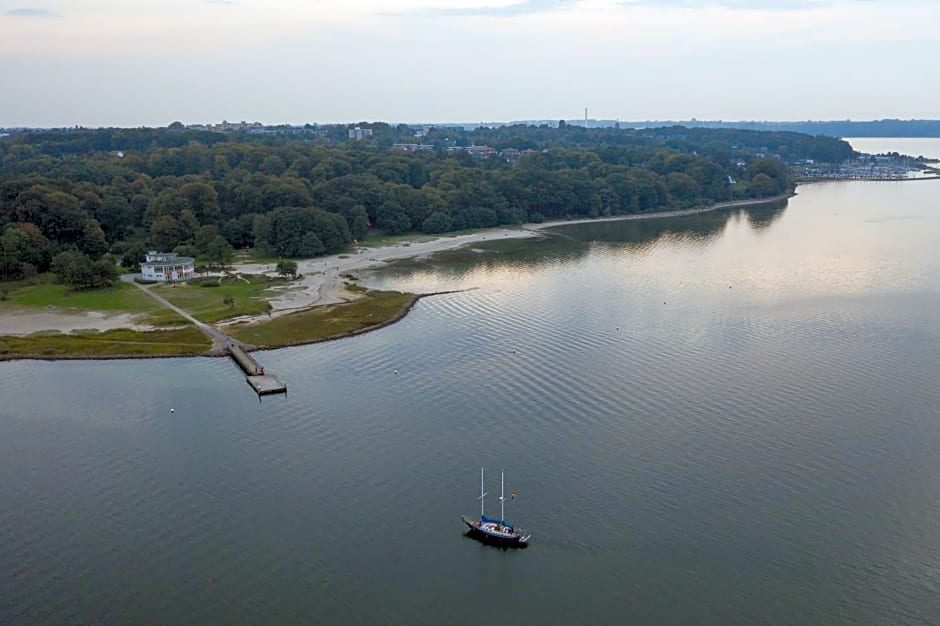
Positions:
(150, 62)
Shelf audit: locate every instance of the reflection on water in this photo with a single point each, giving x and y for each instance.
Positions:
(723, 419)
(832, 239)
(701, 228)
(567, 243)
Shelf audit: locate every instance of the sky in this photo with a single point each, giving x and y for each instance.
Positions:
(148, 62)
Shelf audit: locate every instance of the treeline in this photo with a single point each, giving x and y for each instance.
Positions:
(289, 198)
(833, 128)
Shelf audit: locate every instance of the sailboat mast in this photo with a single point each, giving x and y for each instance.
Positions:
(502, 497)
(482, 494)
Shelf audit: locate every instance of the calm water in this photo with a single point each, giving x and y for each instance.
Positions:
(726, 419)
(911, 146)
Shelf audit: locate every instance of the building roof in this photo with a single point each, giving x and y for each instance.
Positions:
(169, 259)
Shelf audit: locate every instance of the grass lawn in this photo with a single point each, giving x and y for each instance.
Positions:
(251, 256)
(207, 303)
(121, 298)
(124, 342)
(324, 322)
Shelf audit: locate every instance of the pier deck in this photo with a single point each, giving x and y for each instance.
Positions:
(263, 384)
(266, 384)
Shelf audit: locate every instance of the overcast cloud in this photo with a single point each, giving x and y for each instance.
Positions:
(150, 62)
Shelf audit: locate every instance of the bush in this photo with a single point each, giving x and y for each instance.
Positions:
(205, 281)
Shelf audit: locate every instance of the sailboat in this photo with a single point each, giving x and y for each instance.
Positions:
(497, 531)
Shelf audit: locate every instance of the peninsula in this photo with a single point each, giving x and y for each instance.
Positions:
(322, 303)
(306, 208)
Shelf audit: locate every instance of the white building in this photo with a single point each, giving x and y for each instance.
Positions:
(167, 266)
(359, 133)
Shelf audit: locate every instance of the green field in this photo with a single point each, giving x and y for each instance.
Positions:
(207, 304)
(124, 342)
(324, 322)
(121, 298)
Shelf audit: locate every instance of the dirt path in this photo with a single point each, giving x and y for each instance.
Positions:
(219, 339)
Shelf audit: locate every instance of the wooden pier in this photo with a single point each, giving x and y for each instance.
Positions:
(263, 384)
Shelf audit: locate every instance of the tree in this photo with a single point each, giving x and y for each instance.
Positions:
(23, 250)
(287, 268)
(134, 255)
(202, 200)
(683, 187)
(762, 186)
(358, 221)
(56, 213)
(115, 216)
(205, 235)
(79, 272)
(436, 222)
(301, 232)
(772, 169)
(391, 218)
(219, 252)
(166, 233)
(93, 242)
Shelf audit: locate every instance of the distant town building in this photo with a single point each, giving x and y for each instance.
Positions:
(167, 266)
(412, 147)
(358, 133)
(481, 151)
(228, 127)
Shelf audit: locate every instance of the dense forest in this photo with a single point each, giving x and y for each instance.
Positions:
(90, 193)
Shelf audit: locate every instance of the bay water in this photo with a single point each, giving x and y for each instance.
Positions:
(727, 418)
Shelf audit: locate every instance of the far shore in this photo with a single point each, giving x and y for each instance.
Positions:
(324, 281)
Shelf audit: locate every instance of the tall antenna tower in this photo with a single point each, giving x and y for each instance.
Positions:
(585, 117)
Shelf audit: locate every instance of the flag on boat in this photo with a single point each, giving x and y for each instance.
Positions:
(512, 495)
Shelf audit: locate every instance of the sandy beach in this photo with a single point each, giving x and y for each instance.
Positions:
(322, 279)
(321, 283)
(25, 321)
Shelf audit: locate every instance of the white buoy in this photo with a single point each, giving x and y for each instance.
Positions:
(172, 410)
(394, 371)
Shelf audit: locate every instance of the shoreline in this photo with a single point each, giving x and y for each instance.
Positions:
(325, 283)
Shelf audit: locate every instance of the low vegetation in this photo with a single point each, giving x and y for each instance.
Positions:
(213, 299)
(326, 322)
(119, 298)
(122, 342)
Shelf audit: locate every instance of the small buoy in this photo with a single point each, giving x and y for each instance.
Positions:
(513, 351)
(172, 410)
(394, 371)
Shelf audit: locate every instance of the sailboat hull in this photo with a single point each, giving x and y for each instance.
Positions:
(507, 537)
